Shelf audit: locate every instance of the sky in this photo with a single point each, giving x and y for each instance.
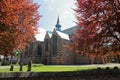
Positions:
(51, 9)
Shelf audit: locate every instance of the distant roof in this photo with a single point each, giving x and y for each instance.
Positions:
(63, 35)
(40, 35)
(70, 30)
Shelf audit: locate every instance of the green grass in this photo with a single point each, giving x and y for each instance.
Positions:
(57, 68)
(49, 68)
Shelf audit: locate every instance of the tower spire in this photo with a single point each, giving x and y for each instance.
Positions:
(58, 26)
(58, 20)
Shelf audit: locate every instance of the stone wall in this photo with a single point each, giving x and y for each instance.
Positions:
(76, 75)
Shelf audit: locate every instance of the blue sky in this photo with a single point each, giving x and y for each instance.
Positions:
(51, 9)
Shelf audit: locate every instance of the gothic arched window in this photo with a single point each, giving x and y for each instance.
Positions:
(55, 44)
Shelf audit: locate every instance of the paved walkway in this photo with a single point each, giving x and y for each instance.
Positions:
(3, 67)
(90, 65)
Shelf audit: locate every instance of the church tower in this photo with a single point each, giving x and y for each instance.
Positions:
(58, 26)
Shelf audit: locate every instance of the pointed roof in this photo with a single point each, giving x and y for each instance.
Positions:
(58, 20)
(49, 34)
(58, 26)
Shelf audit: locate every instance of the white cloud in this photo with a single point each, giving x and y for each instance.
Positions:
(51, 9)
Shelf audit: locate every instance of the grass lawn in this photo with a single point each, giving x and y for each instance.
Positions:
(57, 68)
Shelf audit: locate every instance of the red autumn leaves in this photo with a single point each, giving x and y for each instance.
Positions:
(98, 30)
(18, 24)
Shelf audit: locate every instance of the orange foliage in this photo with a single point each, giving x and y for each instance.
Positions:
(18, 24)
(98, 27)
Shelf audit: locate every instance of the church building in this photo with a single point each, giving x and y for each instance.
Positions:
(49, 48)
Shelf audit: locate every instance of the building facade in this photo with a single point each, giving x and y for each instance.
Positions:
(49, 48)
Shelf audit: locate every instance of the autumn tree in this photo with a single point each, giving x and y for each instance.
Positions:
(98, 30)
(18, 24)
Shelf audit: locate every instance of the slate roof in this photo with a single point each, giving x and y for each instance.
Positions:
(70, 30)
(63, 35)
(40, 35)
